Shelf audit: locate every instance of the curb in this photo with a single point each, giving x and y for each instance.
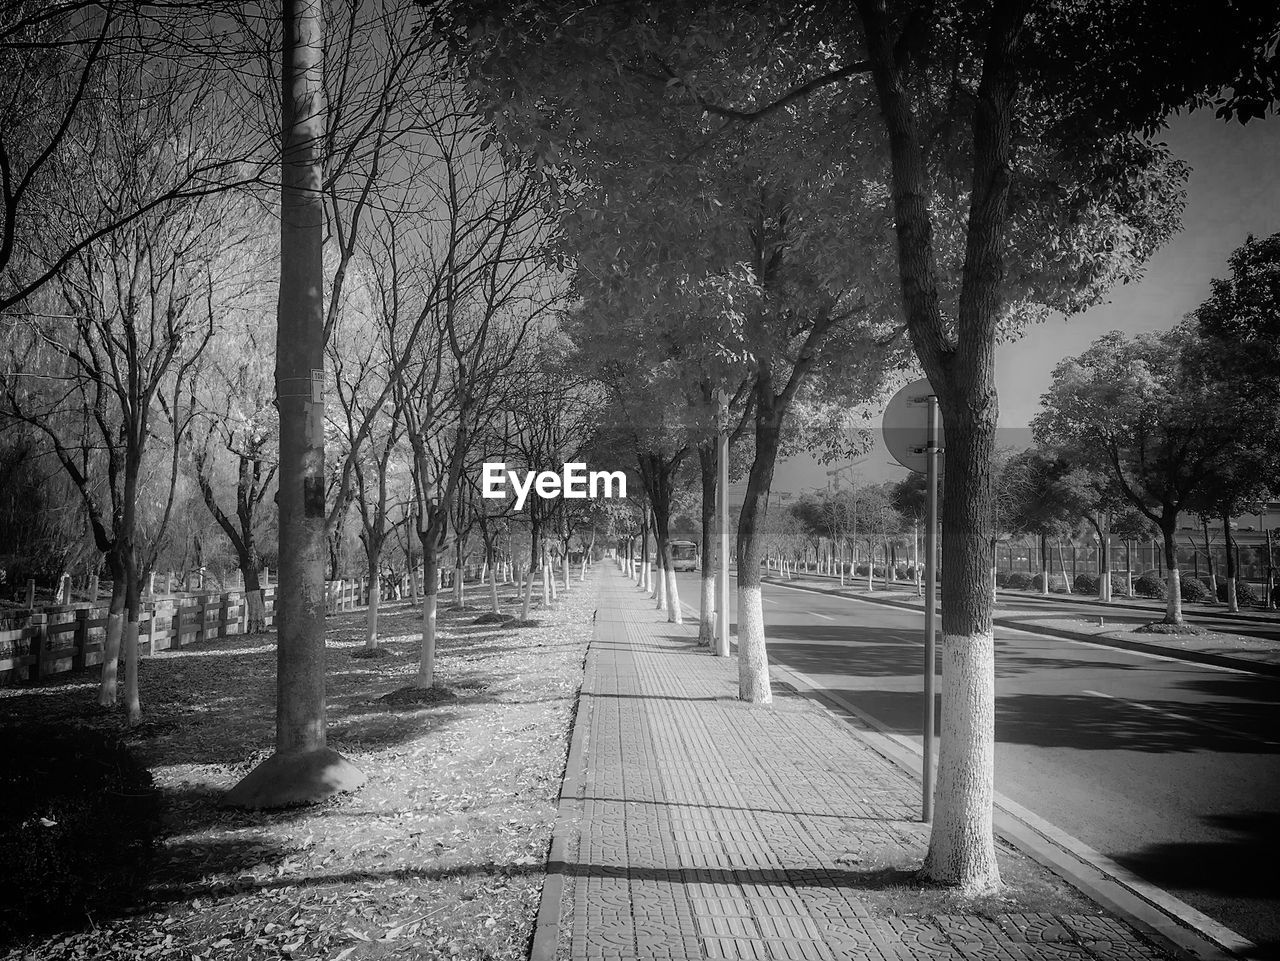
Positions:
(1195, 657)
(1126, 604)
(1129, 606)
(546, 926)
(1171, 923)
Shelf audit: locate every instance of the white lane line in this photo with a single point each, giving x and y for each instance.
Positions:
(767, 601)
(1181, 717)
(1045, 637)
(825, 617)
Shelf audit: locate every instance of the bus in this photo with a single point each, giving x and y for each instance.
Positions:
(684, 556)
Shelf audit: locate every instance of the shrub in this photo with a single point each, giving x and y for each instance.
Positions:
(1196, 591)
(1148, 585)
(1244, 593)
(1002, 578)
(1119, 584)
(78, 821)
(1085, 584)
(1018, 581)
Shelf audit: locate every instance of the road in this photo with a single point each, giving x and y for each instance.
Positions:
(1170, 768)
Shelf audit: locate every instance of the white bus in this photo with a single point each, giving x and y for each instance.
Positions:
(684, 556)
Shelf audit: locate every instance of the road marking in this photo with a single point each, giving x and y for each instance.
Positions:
(1182, 717)
(825, 617)
(1044, 637)
(767, 601)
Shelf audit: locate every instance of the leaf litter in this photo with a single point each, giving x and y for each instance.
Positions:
(441, 855)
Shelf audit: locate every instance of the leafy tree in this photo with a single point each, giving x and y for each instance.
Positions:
(1144, 410)
(1240, 323)
(1040, 503)
(1009, 138)
(758, 247)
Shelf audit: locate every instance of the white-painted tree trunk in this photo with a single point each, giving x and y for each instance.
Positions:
(427, 654)
(459, 586)
(660, 587)
(707, 609)
(493, 588)
(674, 614)
(1233, 601)
(961, 844)
(1173, 596)
(753, 661)
(566, 572)
(371, 616)
(528, 594)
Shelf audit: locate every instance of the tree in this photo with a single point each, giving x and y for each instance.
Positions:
(303, 768)
(57, 63)
(237, 400)
(1039, 502)
(1143, 410)
(1240, 323)
(1019, 183)
(138, 306)
(744, 230)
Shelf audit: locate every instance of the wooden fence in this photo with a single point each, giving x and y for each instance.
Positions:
(38, 644)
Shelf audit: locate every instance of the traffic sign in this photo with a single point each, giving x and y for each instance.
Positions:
(906, 427)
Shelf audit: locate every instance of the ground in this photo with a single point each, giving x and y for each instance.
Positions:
(446, 845)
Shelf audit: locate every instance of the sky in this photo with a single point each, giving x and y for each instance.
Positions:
(1234, 190)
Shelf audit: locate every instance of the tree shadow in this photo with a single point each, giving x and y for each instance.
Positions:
(1239, 867)
(1090, 723)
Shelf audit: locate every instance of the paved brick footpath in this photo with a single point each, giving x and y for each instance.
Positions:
(695, 826)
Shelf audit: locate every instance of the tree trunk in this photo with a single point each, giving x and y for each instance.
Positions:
(674, 614)
(753, 656)
(1104, 581)
(107, 682)
(961, 844)
(493, 586)
(255, 606)
(303, 769)
(1173, 582)
(1233, 602)
(375, 596)
(129, 638)
(528, 595)
(1045, 558)
(430, 596)
(1208, 555)
(709, 468)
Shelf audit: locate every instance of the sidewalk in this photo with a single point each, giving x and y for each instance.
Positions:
(692, 825)
(1240, 651)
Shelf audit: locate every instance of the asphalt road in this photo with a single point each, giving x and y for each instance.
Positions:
(1169, 768)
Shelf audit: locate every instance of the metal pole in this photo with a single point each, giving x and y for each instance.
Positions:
(930, 612)
(1268, 575)
(722, 522)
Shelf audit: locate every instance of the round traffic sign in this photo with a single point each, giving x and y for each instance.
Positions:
(906, 427)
